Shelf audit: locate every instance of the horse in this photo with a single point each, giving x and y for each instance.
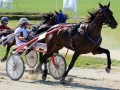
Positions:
(50, 19)
(81, 38)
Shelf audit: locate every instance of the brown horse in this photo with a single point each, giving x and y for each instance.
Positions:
(80, 39)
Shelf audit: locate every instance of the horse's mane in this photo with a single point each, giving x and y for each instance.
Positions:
(47, 16)
(91, 17)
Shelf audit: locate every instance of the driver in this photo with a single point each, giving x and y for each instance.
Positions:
(4, 29)
(22, 32)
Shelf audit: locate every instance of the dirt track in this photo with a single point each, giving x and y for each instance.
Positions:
(83, 79)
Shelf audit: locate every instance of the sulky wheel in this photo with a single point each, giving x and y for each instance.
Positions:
(32, 59)
(15, 67)
(57, 70)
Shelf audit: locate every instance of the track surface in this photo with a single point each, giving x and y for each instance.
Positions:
(83, 79)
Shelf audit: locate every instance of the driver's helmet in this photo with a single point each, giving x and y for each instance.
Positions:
(4, 20)
(23, 21)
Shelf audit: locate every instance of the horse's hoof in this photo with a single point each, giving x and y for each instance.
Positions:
(62, 81)
(44, 77)
(3, 60)
(107, 70)
(70, 80)
(31, 72)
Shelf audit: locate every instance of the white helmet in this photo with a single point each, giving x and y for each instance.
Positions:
(23, 21)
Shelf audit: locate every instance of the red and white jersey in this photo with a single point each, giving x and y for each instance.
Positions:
(3, 27)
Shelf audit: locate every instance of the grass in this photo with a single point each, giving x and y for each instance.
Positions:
(50, 5)
(91, 62)
(14, 23)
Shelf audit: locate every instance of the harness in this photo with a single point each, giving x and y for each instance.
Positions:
(82, 27)
(72, 33)
(89, 38)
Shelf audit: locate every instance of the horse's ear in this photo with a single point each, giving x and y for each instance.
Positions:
(61, 11)
(56, 12)
(101, 6)
(90, 13)
(108, 4)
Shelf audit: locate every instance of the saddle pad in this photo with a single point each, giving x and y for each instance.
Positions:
(42, 36)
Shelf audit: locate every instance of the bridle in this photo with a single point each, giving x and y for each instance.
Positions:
(108, 19)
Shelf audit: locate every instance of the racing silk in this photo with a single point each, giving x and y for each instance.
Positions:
(3, 27)
(18, 32)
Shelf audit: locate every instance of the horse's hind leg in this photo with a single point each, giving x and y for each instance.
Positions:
(6, 55)
(40, 56)
(74, 58)
(44, 60)
(107, 52)
(50, 48)
(46, 56)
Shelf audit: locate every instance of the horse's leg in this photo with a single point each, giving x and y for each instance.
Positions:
(46, 56)
(107, 52)
(6, 54)
(74, 58)
(39, 67)
(40, 56)
(44, 60)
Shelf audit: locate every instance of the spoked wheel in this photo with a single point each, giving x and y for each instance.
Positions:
(32, 59)
(57, 70)
(15, 67)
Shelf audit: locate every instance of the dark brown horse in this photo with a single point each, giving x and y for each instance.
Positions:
(81, 39)
(50, 19)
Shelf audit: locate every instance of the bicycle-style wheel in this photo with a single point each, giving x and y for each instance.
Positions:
(32, 59)
(57, 70)
(15, 67)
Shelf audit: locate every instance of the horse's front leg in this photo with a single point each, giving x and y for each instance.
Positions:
(74, 58)
(107, 52)
(44, 60)
(6, 54)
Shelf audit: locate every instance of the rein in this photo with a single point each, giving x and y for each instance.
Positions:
(93, 41)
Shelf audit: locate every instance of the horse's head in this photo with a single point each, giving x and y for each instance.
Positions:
(52, 19)
(60, 17)
(47, 17)
(107, 16)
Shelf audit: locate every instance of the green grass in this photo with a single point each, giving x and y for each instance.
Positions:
(14, 23)
(91, 62)
(50, 5)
